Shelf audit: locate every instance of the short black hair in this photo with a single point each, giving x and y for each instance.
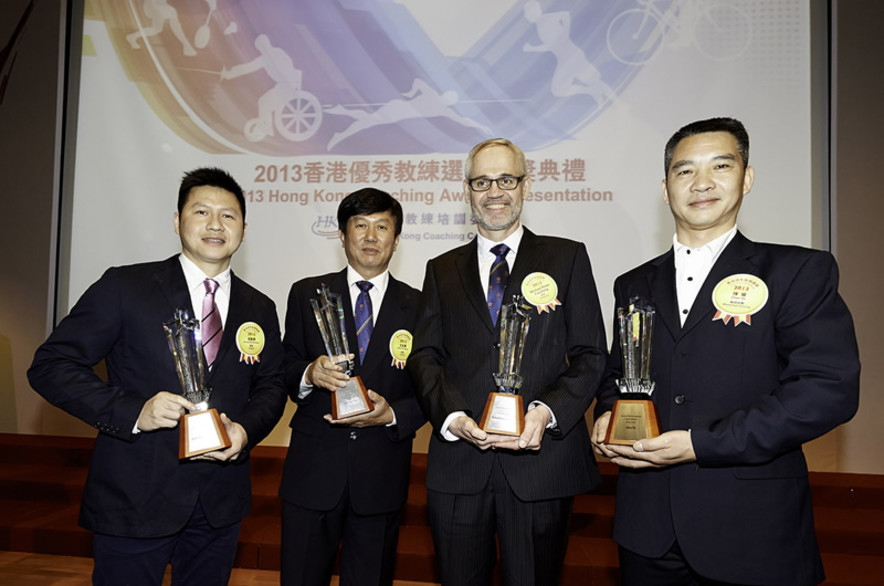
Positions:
(213, 177)
(729, 125)
(367, 201)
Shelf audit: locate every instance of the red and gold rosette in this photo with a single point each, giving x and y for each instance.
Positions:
(540, 290)
(738, 297)
(250, 342)
(400, 347)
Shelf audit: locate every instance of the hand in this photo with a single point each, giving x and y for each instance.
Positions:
(597, 437)
(672, 447)
(324, 373)
(163, 410)
(238, 441)
(536, 421)
(381, 415)
(466, 429)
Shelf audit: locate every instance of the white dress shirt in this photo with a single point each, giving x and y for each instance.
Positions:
(692, 266)
(195, 277)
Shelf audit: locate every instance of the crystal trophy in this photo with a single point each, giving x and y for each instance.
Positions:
(504, 413)
(201, 430)
(352, 399)
(634, 415)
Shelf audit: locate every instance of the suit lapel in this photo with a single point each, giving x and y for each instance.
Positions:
(662, 285)
(528, 260)
(391, 313)
(733, 260)
(468, 273)
(237, 314)
(338, 284)
(170, 278)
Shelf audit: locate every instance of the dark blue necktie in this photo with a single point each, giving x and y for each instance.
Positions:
(500, 274)
(364, 324)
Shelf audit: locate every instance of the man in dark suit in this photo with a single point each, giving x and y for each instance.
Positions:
(753, 355)
(346, 480)
(480, 483)
(146, 507)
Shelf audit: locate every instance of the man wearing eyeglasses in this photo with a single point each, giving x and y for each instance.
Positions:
(479, 483)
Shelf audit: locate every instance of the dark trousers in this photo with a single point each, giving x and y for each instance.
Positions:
(200, 556)
(670, 570)
(310, 543)
(533, 536)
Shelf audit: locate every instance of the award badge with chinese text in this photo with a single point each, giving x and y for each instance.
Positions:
(400, 347)
(541, 291)
(738, 297)
(250, 342)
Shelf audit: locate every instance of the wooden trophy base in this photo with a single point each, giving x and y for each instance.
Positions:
(632, 420)
(201, 432)
(503, 414)
(351, 400)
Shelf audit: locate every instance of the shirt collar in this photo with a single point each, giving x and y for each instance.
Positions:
(512, 241)
(195, 276)
(379, 282)
(713, 248)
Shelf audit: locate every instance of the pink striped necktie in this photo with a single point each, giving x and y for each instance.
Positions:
(211, 324)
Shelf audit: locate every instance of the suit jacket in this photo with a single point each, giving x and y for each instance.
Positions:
(137, 487)
(323, 459)
(456, 353)
(750, 395)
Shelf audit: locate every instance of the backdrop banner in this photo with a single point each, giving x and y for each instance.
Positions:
(304, 102)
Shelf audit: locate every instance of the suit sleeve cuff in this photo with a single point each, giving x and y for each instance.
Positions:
(447, 423)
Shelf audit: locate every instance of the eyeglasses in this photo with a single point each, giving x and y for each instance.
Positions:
(505, 182)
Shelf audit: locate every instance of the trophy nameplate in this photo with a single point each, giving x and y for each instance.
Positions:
(634, 416)
(504, 413)
(201, 431)
(632, 420)
(352, 399)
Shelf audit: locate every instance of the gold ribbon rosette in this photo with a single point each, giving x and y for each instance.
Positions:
(540, 290)
(737, 297)
(400, 347)
(250, 341)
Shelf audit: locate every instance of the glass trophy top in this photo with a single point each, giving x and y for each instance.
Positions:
(185, 343)
(514, 320)
(329, 312)
(636, 328)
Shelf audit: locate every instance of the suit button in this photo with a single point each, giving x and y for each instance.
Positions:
(352, 435)
(679, 399)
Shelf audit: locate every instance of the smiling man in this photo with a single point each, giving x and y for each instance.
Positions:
(481, 484)
(146, 507)
(754, 354)
(345, 481)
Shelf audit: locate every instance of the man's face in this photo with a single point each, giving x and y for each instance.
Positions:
(705, 186)
(369, 242)
(211, 228)
(497, 211)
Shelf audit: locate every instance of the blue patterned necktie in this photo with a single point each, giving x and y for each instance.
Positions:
(500, 274)
(364, 324)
